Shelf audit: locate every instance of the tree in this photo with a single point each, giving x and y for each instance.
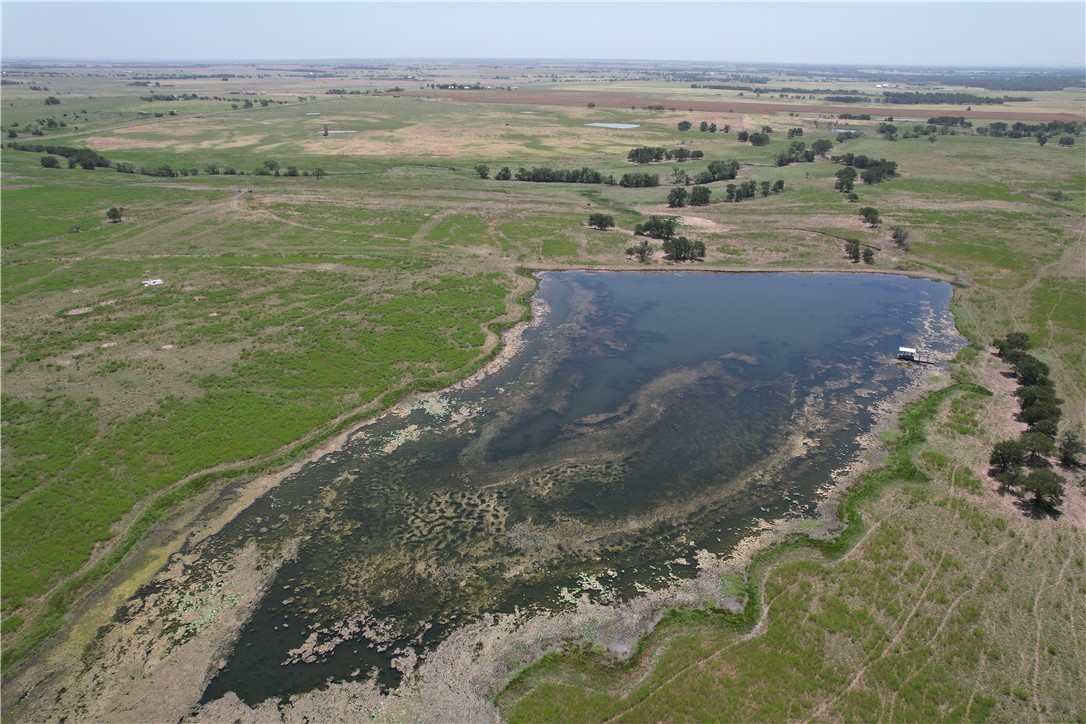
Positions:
(50, 162)
(869, 255)
(1046, 486)
(870, 215)
(320, 173)
(778, 185)
(1008, 455)
(699, 195)
(846, 179)
(765, 186)
(483, 170)
(52, 101)
(601, 221)
(704, 126)
(852, 249)
(1037, 444)
(680, 176)
(759, 139)
(1031, 371)
(1070, 447)
(682, 249)
(115, 214)
(658, 227)
(504, 174)
(684, 125)
(742, 136)
(900, 235)
(1042, 139)
(641, 251)
(1067, 141)
(822, 146)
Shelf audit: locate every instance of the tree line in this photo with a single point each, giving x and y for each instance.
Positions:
(908, 97)
(653, 154)
(1020, 130)
(1040, 410)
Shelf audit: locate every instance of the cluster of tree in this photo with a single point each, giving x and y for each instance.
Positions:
(1020, 130)
(82, 157)
(1040, 409)
(852, 250)
(854, 116)
(793, 132)
(545, 174)
(698, 196)
(650, 154)
(43, 124)
(797, 152)
(639, 180)
(704, 127)
(758, 138)
(930, 131)
(870, 215)
(717, 171)
(682, 249)
(601, 221)
(709, 127)
(750, 189)
(847, 99)
(655, 107)
(888, 131)
(874, 170)
(52, 101)
(658, 227)
(950, 121)
(912, 97)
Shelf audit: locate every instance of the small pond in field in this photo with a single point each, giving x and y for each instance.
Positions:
(614, 125)
(646, 420)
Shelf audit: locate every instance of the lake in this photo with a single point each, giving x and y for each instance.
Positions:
(648, 419)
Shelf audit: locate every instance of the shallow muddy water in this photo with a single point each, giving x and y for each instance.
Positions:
(648, 420)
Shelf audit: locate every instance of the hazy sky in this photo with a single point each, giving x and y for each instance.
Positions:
(860, 33)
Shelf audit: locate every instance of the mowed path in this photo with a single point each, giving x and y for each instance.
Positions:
(605, 99)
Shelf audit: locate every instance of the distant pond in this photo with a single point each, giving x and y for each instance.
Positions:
(647, 417)
(621, 126)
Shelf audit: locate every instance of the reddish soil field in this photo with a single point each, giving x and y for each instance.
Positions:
(625, 100)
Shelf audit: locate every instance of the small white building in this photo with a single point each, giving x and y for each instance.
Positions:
(153, 283)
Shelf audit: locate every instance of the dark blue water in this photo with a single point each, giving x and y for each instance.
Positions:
(647, 417)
